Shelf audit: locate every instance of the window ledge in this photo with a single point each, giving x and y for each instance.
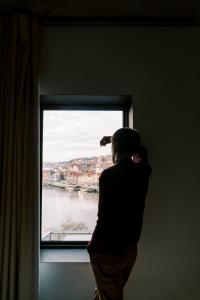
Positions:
(64, 255)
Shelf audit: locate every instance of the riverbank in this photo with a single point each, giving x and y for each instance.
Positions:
(72, 187)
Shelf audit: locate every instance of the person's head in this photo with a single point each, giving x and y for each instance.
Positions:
(125, 142)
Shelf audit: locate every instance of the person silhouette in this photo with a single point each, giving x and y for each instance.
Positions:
(122, 191)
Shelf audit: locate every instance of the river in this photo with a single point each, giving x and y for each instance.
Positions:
(68, 211)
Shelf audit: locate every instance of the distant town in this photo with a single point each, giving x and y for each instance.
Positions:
(80, 174)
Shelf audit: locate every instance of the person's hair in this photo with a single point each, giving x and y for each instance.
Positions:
(125, 142)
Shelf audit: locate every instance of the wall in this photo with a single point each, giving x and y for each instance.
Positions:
(160, 68)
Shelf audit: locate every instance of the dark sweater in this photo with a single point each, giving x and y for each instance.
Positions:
(122, 192)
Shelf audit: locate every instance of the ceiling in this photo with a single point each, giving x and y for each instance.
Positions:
(144, 11)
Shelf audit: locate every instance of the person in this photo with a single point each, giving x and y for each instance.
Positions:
(122, 192)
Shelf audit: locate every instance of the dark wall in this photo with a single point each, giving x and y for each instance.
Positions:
(160, 68)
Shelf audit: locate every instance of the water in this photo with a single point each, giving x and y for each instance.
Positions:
(68, 211)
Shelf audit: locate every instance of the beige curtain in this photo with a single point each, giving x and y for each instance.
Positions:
(19, 158)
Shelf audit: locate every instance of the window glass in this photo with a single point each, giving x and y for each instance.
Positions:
(72, 163)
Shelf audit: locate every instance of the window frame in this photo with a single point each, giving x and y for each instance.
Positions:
(124, 107)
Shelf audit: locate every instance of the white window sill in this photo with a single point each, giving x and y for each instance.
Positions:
(64, 255)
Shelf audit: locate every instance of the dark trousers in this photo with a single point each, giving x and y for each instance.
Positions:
(111, 273)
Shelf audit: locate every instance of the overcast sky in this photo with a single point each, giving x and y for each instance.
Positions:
(74, 134)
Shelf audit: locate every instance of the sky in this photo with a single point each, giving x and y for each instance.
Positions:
(74, 134)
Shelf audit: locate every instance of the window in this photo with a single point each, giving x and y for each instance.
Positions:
(71, 163)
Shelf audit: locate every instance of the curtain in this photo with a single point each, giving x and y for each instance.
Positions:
(19, 158)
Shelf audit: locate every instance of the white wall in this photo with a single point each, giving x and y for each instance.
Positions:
(160, 67)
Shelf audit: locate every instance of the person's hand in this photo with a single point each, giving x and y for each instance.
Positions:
(137, 158)
(105, 140)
